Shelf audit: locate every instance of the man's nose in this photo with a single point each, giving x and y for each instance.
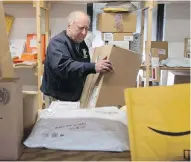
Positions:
(84, 31)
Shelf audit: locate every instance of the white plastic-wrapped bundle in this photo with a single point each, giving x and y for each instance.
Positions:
(97, 129)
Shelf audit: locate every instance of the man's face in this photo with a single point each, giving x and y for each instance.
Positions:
(79, 29)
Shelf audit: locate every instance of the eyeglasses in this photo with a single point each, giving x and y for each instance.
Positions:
(81, 28)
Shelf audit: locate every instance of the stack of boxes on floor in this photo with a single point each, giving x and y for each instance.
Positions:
(11, 102)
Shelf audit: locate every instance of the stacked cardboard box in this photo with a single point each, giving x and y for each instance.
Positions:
(159, 52)
(11, 119)
(117, 27)
(11, 103)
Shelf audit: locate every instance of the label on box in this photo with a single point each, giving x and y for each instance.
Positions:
(33, 43)
(128, 38)
(121, 44)
(161, 51)
(4, 96)
(155, 61)
(108, 37)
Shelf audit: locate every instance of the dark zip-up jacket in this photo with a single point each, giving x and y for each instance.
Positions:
(65, 68)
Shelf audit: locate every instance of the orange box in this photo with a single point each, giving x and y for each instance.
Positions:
(31, 44)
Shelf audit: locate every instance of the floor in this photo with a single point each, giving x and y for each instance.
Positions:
(50, 155)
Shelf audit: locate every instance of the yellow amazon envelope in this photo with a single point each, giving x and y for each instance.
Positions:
(159, 122)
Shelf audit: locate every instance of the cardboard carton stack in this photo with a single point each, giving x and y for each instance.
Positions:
(159, 52)
(11, 102)
(117, 27)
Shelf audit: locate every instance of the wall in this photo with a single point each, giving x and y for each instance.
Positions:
(59, 15)
(177, 27)
(25, 18)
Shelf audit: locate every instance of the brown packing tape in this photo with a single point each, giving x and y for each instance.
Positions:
(154, 52)
(118, 22)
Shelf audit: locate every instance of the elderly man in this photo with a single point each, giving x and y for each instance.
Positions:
(67, 62)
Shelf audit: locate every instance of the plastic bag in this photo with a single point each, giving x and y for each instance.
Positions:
(159, 122)
(97, 129)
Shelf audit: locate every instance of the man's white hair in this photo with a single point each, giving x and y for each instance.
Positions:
(76, 15)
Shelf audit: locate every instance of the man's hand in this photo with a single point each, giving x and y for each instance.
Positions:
(103, 66)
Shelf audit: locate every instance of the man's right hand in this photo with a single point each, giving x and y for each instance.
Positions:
(103, 66)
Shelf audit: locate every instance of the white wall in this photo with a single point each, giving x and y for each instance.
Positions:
(59, 13)
(177, 27)
(25, 18)
(96, 10)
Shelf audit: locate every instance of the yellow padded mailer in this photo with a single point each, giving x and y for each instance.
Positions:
(159, 122)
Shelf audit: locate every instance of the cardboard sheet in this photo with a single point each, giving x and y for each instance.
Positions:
(6, 65)
(111, 86)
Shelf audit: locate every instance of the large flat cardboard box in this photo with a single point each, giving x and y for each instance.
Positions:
(6, 65)
(159, 48)
(108, 89)
(117, 22)
(117, 36)
(11, 119)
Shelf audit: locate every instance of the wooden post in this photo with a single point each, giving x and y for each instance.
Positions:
(142, 29)
(142, 41)
(39, 55)
(148, 43)
(47, 20)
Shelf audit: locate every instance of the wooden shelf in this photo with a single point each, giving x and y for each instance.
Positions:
(17, 2)
(143, 67)
(24, 66)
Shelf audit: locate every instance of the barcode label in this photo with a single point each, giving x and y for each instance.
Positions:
(128, 38)
(108, 37)
(155, 61)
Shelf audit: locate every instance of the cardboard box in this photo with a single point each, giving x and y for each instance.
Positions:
(11, 119)
(6, 65)
(159, 49)
(117, 36)
(31, 44)
(117, 22)
(30, 111)
(178, 77)
(108, 89)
